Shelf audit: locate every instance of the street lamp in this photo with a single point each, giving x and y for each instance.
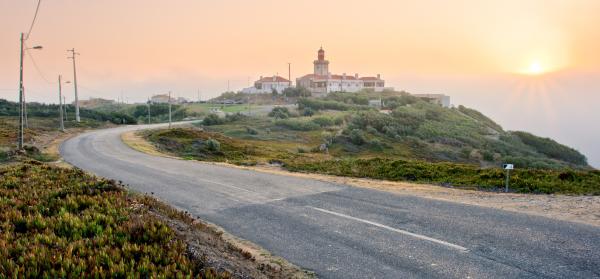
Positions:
(60, 99)
(21, 92)
(24, 94)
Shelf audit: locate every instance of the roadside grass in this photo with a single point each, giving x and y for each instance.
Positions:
(193, 143)
(572, 182)
(41, 133)
(58, 222)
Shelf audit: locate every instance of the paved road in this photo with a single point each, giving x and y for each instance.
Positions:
(345, 232)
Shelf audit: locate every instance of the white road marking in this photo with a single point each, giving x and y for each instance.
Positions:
(419, 236)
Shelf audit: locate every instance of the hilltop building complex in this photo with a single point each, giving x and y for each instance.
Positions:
(321, 81)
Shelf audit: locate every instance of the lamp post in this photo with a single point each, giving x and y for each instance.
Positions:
(60, 102)
(21, 93)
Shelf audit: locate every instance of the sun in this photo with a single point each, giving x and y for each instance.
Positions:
(535, 68)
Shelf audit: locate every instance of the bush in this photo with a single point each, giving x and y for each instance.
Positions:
(296, 92)
(213, 145)
(279, 113)
(212, 119)
(323, 121)
(357, 137)
(316, 104)
(308, 112)
(297, 125)
(251, 131)
(235, 117)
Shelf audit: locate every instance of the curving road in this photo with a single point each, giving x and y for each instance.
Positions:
(345, 232)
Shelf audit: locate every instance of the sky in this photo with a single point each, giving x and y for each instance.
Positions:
(529, 65)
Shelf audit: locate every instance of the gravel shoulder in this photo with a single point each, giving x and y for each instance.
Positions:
(580, 209)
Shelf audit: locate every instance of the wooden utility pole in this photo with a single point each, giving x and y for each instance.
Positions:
(169, 109)
(65, 102)
(73, 54)
(20, 141)
(60, 104)
(25, 109)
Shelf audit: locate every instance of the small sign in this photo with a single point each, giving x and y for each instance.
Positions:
(508, 166)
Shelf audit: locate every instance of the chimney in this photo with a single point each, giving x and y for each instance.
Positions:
(378, 76)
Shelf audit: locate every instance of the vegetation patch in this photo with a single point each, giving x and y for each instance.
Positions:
(458, 175)
(64, 223)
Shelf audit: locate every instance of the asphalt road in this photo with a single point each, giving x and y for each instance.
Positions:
(340, 231)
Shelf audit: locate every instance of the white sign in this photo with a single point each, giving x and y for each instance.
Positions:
(508, 166)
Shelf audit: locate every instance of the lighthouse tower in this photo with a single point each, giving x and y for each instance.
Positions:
(321, 65)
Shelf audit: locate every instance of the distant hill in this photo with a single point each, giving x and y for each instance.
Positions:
(430, 132)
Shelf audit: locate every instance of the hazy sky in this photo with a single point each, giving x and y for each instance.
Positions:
(481, 53)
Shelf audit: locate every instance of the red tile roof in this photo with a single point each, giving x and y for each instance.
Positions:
(313, 76)
(270, 79)
(369, 78)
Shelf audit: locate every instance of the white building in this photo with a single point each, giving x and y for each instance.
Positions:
(268, 84)
(440, 99)
(164, 99)
(321, 81)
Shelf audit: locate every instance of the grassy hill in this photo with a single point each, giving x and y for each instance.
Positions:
(342, 135)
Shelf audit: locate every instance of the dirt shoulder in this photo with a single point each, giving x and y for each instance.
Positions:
(581, 209)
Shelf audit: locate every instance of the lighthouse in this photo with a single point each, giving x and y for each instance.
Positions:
(321, 65)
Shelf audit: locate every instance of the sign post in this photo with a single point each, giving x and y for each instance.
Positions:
(507, 167)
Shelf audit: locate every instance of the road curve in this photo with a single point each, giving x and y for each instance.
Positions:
(339, 231)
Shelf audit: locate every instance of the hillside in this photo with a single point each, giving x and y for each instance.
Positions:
(410, 139)
(411, 129)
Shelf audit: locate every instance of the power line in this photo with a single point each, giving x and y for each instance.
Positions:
(37, 68)
(34, 18)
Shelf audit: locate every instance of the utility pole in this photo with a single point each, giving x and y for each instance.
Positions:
(169, 109)
(60, 104)
(227, 85)
(148, 110)
(20, 142)
(25, 109)
(65, 102)
(199, 99)
(73, 54)
(290, 73)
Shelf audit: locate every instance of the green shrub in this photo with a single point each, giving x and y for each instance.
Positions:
(297, 125)
(233, 117)
(308, 112)
(318, 104)
(212, 119)
(323, 121)
(279, 113)
(357, 137)
(213, 145)
(251, 131)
